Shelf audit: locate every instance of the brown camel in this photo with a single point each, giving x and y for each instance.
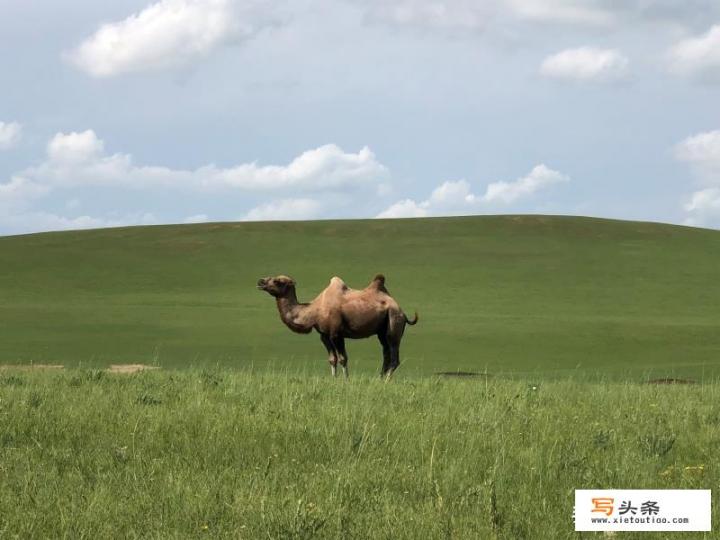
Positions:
(340, 312)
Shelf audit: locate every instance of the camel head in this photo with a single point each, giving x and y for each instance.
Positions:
(278, 286)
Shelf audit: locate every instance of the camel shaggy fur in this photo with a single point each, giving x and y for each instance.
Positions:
(340, 312)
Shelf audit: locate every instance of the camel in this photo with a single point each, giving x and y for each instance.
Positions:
(340, 312)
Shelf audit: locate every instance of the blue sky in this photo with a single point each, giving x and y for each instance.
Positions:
(138, 112)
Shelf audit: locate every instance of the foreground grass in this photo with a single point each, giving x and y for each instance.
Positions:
(215, 453)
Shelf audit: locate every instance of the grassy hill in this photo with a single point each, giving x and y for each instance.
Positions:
(531, 296)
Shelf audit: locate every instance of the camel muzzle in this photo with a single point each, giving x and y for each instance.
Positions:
(261, 283)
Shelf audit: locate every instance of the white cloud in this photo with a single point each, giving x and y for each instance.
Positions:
(704, 200)
(447, 198)
(197, 218)
(441, 14)
(698, 57)
(9, 134)
(508, 192)
(702, 152)
(75, 147)
(325, 167)
(456, 198)
(404, 209)
(564, 11)
(451, 195)
(168, 34)
(703, 208)
(585, 64)
(79, 159)
(285, 209)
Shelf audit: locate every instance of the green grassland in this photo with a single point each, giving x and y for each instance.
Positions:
(243, 434)
(514, 296)
(222, 453)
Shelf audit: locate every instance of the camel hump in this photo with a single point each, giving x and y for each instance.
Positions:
(378, 283)
(338, 282)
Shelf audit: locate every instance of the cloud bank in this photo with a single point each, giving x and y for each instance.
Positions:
(474, 15)
(80, 160)
(312, 185)
(457, 198)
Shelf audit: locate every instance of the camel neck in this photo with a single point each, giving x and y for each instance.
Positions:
(292, 313)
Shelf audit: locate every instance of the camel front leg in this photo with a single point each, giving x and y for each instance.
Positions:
(332, 354)
(342, 355)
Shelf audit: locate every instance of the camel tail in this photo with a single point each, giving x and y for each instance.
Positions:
(414, 321)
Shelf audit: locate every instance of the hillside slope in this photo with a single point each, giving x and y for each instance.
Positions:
(532, 295)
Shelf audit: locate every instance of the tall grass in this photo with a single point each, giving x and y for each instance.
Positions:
(223, 454)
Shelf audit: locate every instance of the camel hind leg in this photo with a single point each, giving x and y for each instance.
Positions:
(395, 331)
(382, 336)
